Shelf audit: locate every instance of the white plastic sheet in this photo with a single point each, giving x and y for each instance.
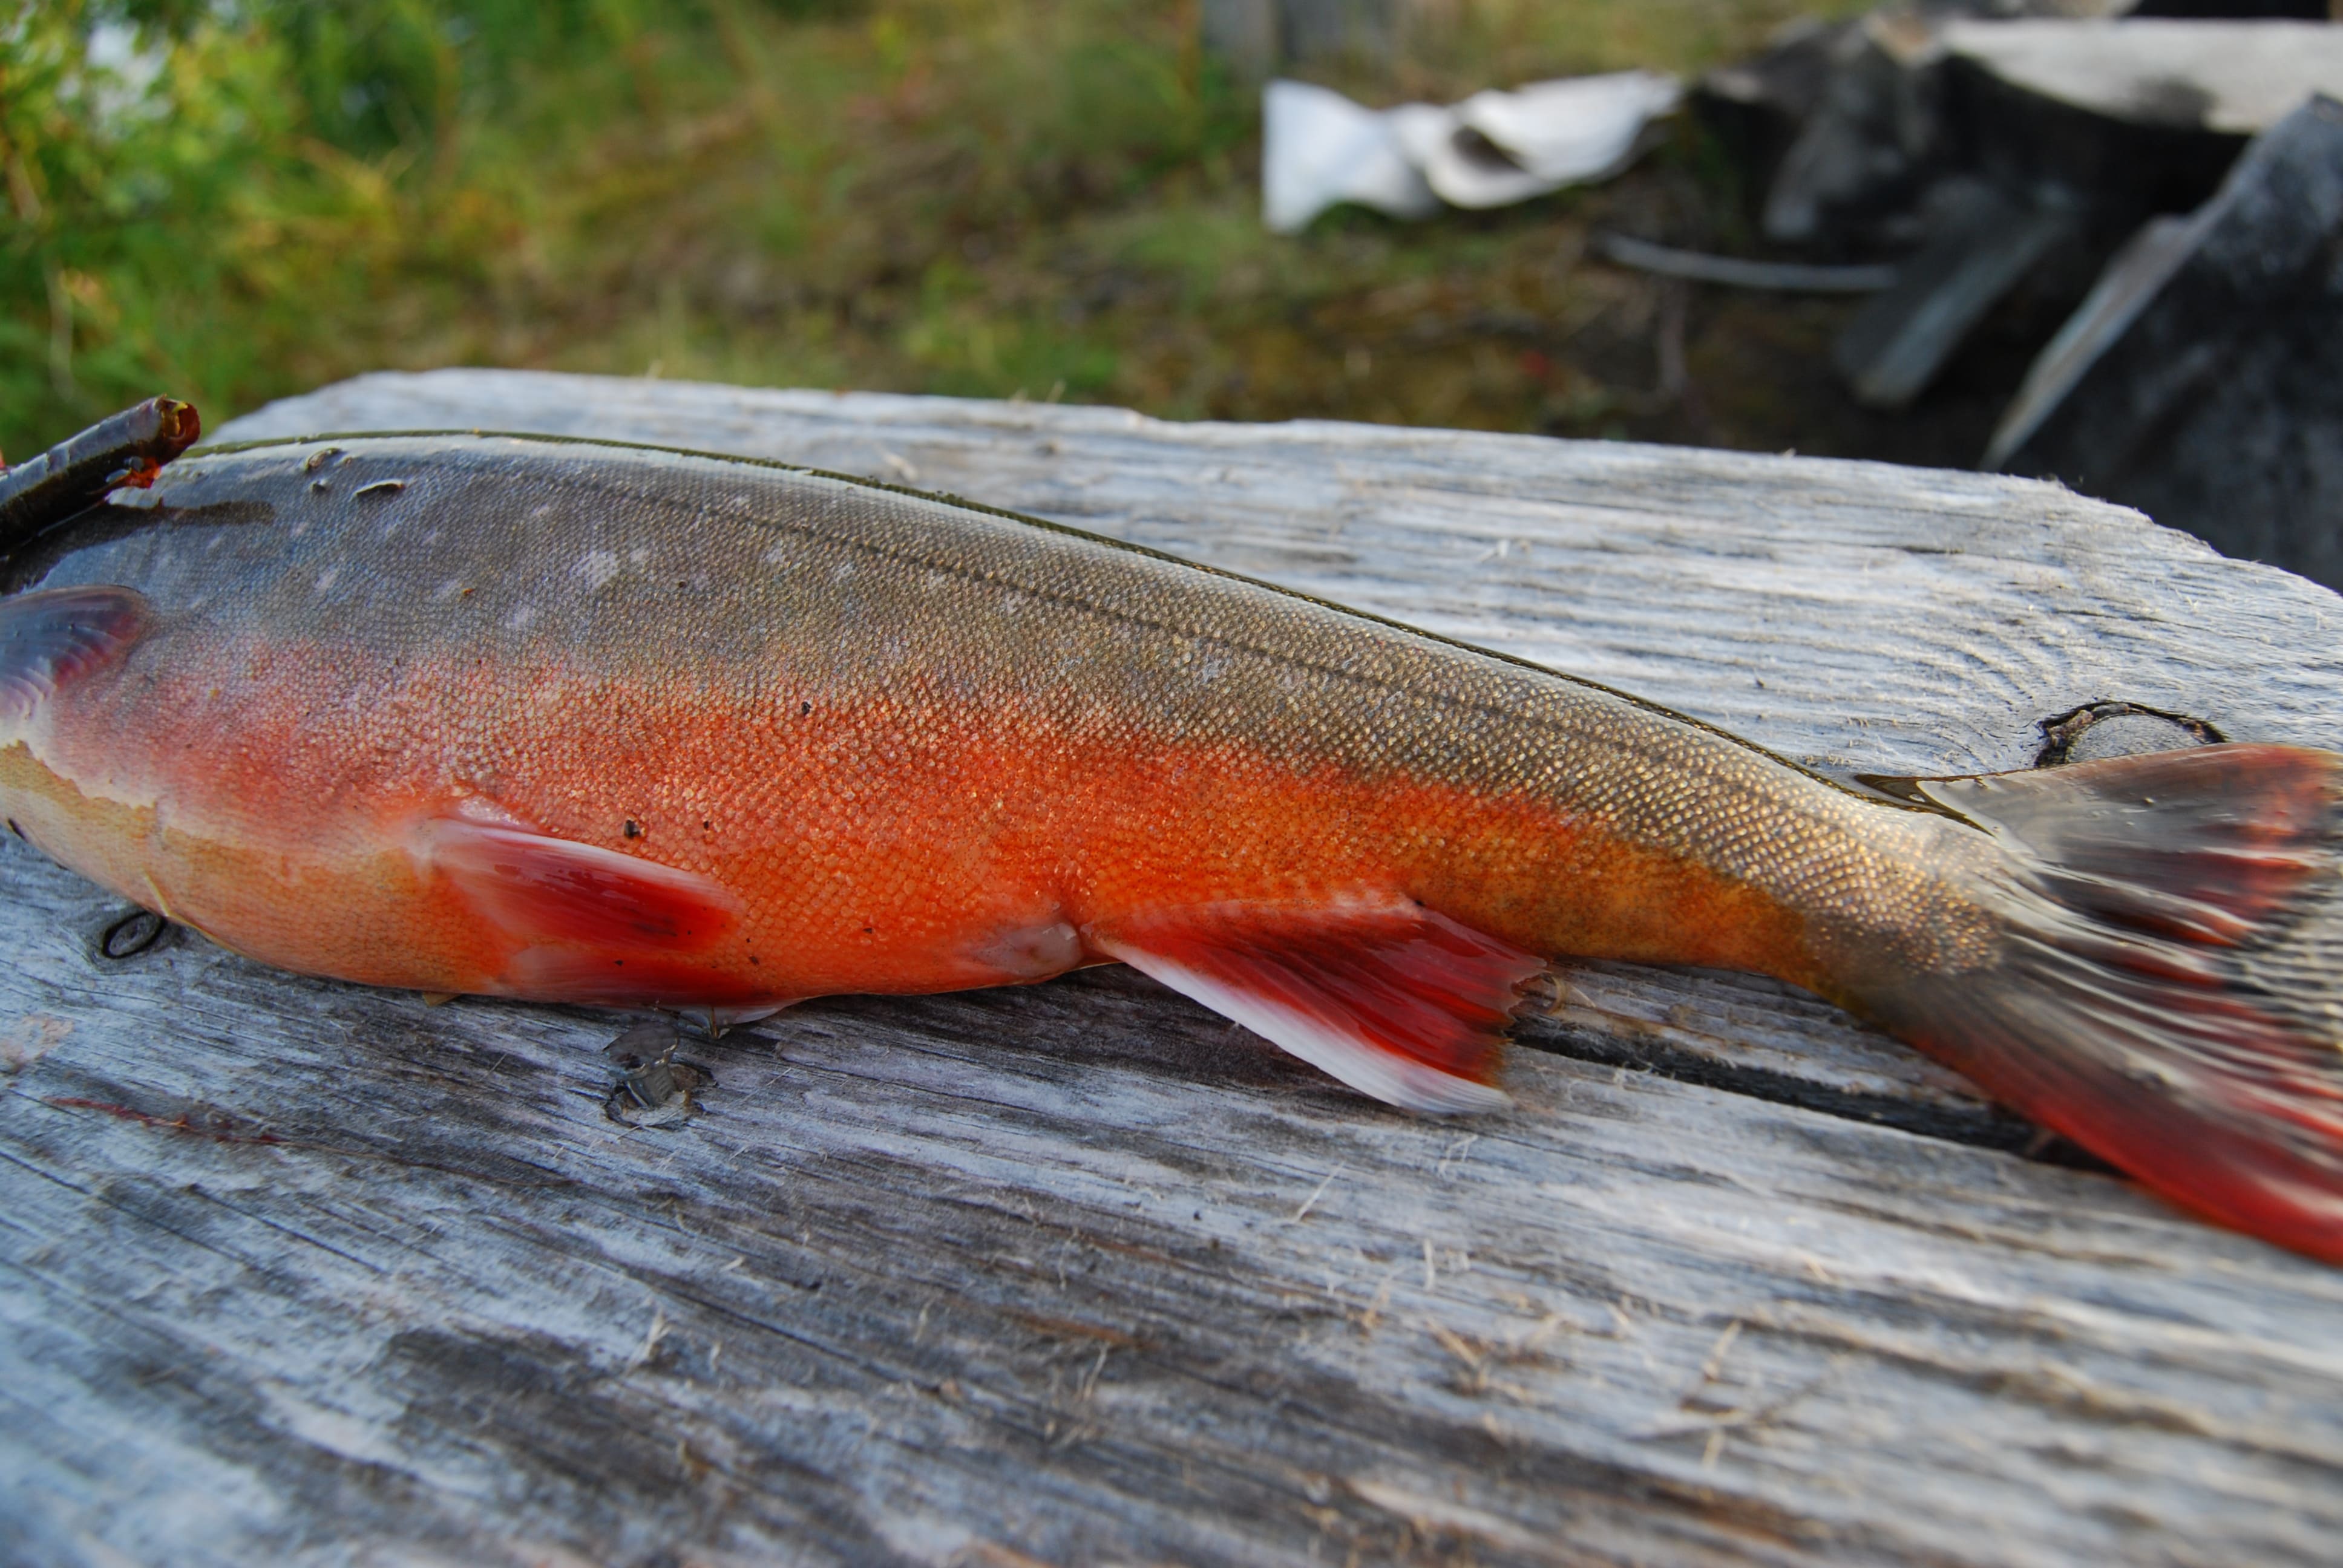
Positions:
(1319, 149)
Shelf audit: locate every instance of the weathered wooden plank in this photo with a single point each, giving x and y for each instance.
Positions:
(300, 1272)
(1025, 1268)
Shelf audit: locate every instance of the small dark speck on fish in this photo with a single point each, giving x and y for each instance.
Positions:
(381, 487)
(633, 830)
(804, 709)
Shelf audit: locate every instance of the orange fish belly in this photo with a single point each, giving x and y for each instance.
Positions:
(877, 847)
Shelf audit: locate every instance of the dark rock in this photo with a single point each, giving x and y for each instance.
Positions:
(2202, 380)
(1848, 130)
(2113, 173)
(1872, 141)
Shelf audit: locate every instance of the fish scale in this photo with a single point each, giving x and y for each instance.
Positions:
(584, 722)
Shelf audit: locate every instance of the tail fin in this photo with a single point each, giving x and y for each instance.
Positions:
(2168, 994)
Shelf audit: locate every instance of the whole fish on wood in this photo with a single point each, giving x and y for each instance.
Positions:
(585, 722)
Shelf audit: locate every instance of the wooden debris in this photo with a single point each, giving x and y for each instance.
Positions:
(1739, 272)
(1984, 245)
(2200, 381)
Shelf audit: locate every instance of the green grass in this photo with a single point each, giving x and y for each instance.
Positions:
(1047, 198)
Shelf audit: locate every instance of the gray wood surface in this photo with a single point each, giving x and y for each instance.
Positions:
(292, 1270)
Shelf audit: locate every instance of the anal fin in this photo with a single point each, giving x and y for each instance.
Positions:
(1397, 1000)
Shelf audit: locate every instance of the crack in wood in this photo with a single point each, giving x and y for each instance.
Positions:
(1987, 1127)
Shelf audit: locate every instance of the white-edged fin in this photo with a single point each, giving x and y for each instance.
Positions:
(734, 1017)
(1397, 1000)
(50, 635)
(580, 897)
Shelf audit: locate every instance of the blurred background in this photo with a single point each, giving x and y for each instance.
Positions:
(230, 200)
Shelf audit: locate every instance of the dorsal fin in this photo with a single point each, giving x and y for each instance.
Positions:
(1396, 999)
(50, 636)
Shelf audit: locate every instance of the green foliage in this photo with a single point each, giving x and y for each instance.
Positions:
(161, 183)
(229, 200)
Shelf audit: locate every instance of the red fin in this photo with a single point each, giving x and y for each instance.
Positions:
(552, 893)
(1394, 998)
(50, 635)
(2161, 995)
(2197, 844)
(632, 977)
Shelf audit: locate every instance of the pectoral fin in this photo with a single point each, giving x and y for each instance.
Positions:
(1397, 1000)
(545, 891)
(51, 635)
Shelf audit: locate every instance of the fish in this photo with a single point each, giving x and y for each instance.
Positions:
(571, 720)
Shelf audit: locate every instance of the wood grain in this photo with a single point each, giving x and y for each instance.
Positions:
(1078, 1274)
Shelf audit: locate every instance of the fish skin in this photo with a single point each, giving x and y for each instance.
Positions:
(1068, 730)
(901, 744)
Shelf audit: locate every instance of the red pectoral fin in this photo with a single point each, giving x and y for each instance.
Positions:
(546, 891)
(50, 635)
(1394, 998)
